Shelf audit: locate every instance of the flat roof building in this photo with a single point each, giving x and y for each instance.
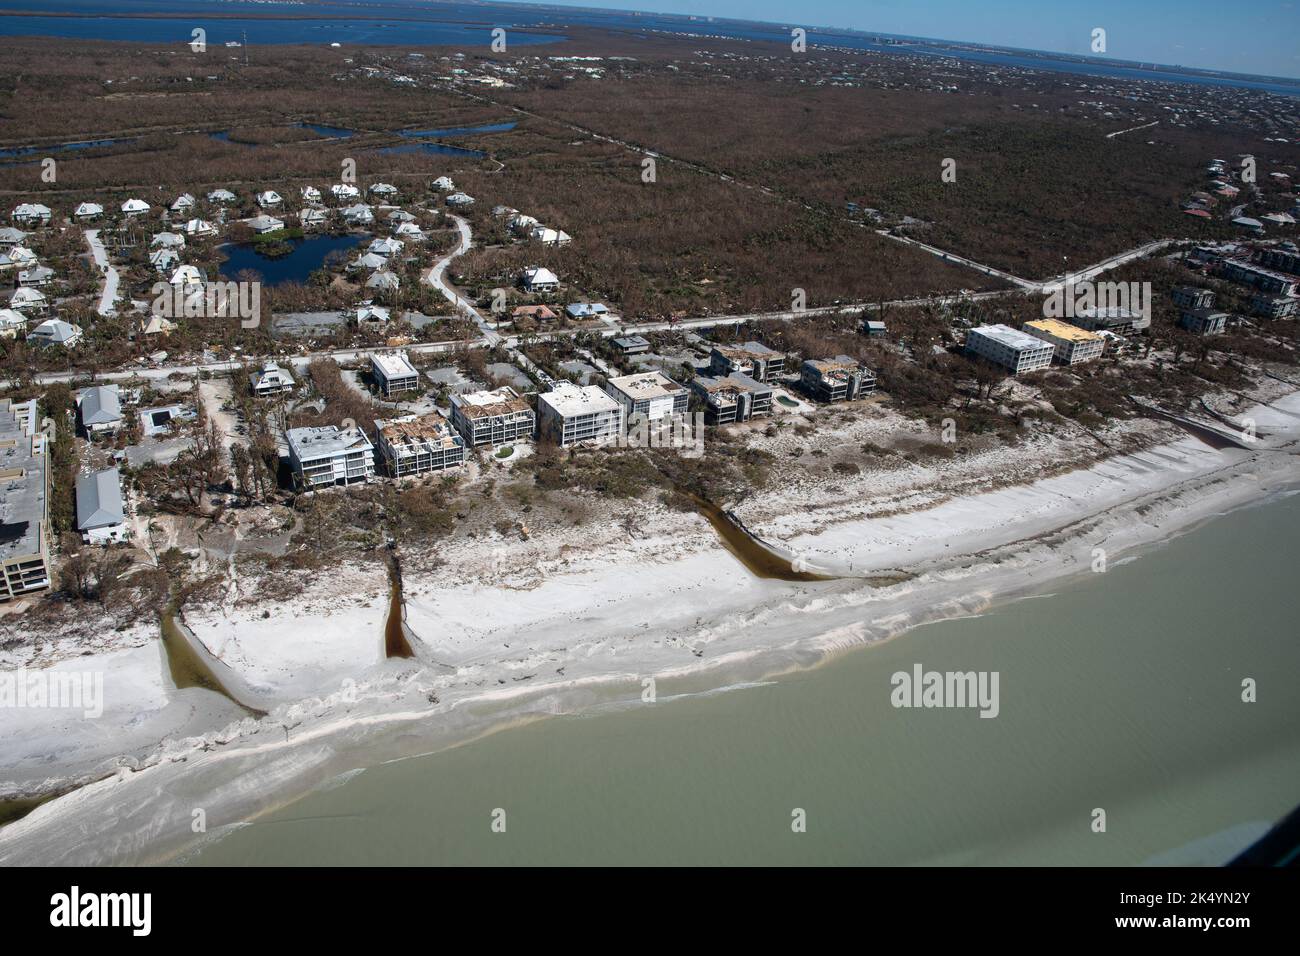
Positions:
(579, 414)
(1266, 280)
(270, 380)
(750, 358)
(417, 444)
(24, 502)
(394, 372)
(1112, 318)
(326, 455)
(1192, 297)
(841, 379)
(1002, 345)
(1071, 344)
(651, 395)
(492, 418)
(1203, 321)
(732, 398)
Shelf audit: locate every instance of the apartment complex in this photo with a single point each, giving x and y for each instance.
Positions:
(1114, 318)
(1284, 260)
(417, 444)
(492, 418)
(393, 372)
(1266, 280)
(1070, 344)
(752, 359)
(841, 379)
(325, 456)
(1274, 306)
(1192, 297)
(1203, 321)
(1018, 352)
(651, 395)
(577, 414)
(732, 398)
(24, 502)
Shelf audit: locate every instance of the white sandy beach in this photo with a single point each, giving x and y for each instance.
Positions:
(561, 626)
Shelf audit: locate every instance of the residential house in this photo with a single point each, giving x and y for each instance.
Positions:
(100, 407)
(443, 184)
(55, 332)
(322, 456)
(27, 299)
(342, 191)
(312, 218)
(383, 190)
(732, 398)
(270, 379)
(87, 211)
(873, 328)
(199, 229)
(393, 372)
(358, 214)
(269, 199)
(183, 203)
(418, 444)
(1016, 351)
(36, 276)
(632, 345)
(164, 259)
(841, 379)
(538, 313)
(492, 418)
(167, 240)
(537, 279)
(579, 311)
(579, 414)
(101, 516)
(152, 325)
(310, 194)
(751, 358)
(221, 197)
(135, 207)
(648, 396)
(1070, 344)
(24, 502)
(550, 237)
(264, 224)
(384, 281)
(32, 214)
(368, 312)
(11, 323)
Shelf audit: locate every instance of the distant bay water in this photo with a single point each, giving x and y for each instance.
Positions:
(1119, 691)
(409, 24)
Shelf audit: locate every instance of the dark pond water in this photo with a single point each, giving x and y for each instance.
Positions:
(308, 255)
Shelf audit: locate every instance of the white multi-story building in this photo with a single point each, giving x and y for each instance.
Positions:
(576, 414)
(394, 372)
(325, 456)
(1017, 351)
(270, 380)
(651, 395)
(492, 418)
(1070, 344)
(754, 359)
(416, 444)
(841, 379)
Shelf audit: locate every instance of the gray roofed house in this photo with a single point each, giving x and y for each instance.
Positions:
(101, 517)
(101, 409)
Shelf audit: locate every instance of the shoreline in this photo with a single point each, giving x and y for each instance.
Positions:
(753, 631)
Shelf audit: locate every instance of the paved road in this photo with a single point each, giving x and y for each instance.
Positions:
(435, 277)
(106, 269)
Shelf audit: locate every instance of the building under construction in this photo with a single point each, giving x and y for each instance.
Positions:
(841, 379)
(733, 398)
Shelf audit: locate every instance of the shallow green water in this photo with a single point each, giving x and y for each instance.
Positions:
(1119, 691)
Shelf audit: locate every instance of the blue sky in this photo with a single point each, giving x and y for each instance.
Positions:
(1249, 36)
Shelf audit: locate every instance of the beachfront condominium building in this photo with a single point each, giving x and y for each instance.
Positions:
(492, 418)
(1018, 352)
(753, 359)
(651, 395)
(732, 398)
(325, 456)
(1203, 321)
(24, 502)
(579, 414)
(1192, 297)
(1071, 344)
(417, 444)
(393, 373)
(841, 379)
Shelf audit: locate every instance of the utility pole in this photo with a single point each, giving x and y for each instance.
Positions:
(243, 42)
